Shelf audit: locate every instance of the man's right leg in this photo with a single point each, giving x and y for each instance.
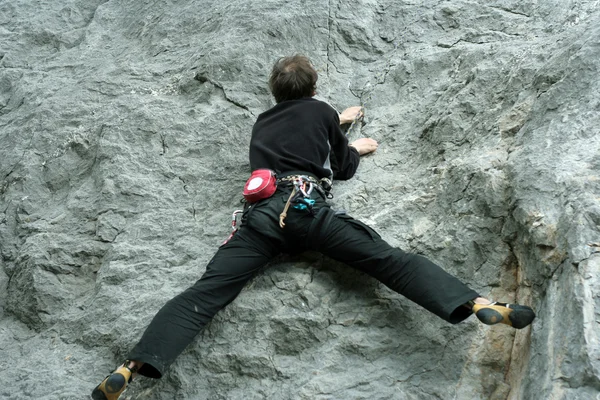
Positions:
(345, 239)
(184, 316)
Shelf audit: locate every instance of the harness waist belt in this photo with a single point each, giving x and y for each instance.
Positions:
(290, 175)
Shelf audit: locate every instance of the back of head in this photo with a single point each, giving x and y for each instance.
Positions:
(293, 78)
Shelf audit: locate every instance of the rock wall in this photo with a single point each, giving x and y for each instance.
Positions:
(124, 128)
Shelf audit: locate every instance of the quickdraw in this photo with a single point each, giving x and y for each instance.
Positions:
(359, 117)
(303, 187)
(234, 225)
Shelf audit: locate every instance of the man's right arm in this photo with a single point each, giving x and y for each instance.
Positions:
(365, 145)
(345, 157)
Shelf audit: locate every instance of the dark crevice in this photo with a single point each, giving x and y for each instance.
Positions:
(185, 185)
(235, 103)
(382, 78)
(514, 261)
(95, 12)
(114, 240)
(413, 375)
(202, 78)
(15, 108)
(472, 42)
(100, 135)
(449, 46)
(165, 146)
(5, 179)
(470, 179)
(329, 24)
(102, 93)
(510, 11)
(160, 52)
(358, 96)
(555, 270)
(10, 273)
(478, 267)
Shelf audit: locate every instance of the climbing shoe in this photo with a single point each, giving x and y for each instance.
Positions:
(113, 385)
(510, 314)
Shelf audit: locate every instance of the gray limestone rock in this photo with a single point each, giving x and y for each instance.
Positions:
(124, 128)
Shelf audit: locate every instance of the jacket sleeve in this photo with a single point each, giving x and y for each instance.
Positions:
(344, 158)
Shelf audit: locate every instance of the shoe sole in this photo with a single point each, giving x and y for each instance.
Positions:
(521, 316)
(514, 315)
(110, 388)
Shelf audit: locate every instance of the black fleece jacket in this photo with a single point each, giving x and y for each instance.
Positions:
(302, 135)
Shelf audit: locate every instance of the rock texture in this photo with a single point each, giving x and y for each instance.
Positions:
(124, 128)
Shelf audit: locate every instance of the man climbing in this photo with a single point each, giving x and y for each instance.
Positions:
(297, 148)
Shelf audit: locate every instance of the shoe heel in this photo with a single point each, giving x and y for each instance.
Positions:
(489, 316)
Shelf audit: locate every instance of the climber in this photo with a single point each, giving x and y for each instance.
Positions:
(296, 149)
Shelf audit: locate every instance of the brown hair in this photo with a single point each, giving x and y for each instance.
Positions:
(293, 78)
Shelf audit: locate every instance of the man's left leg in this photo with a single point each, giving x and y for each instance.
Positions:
(184, 316)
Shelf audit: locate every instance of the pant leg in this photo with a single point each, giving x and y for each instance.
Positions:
(350, 241)
(184, 316)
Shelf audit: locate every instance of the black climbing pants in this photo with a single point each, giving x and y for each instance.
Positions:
(259, 239)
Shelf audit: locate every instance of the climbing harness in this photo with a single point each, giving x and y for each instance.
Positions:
(263, 183)
(323, 185)
(303, 186)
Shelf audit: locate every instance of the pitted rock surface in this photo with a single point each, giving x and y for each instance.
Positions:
(124, 128)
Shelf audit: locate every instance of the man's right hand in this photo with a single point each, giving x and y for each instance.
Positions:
(364, 145)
